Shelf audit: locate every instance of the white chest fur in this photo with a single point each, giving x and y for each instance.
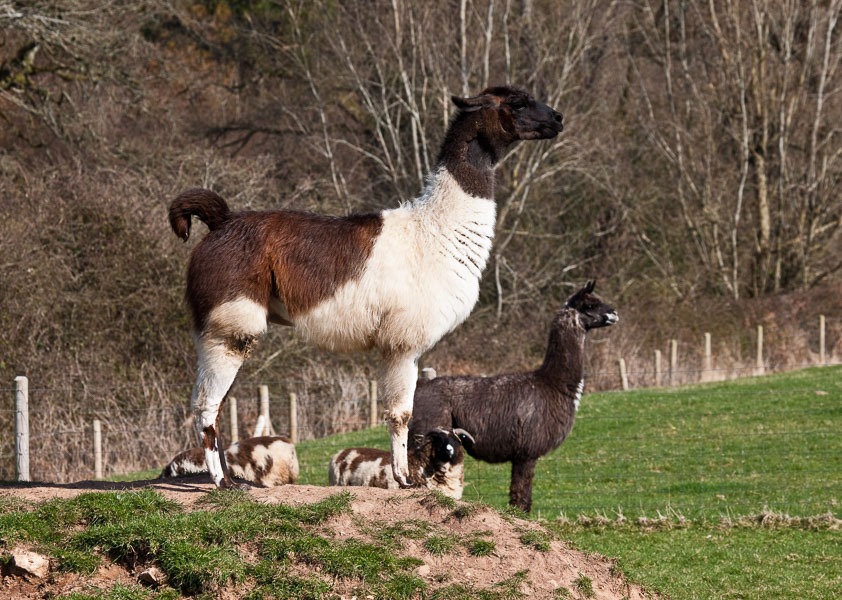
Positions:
(421, 280)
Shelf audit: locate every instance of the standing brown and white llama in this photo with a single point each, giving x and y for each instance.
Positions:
(396, 280)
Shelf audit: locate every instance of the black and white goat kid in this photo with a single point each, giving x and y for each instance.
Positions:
(436, 461)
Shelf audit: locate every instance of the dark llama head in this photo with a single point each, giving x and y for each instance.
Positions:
(592, 311)
(484, 129)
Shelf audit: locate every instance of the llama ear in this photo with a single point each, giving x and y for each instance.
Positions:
(590, 285)
(475, 103)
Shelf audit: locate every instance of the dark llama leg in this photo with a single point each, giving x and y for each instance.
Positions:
(520, 491)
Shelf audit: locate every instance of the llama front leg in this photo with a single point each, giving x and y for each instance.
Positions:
(520, 491)
(218, 365)
(399, 390)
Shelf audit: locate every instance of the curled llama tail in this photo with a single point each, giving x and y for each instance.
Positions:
(205, 204)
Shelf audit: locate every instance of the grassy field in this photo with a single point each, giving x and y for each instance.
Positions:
(708, 453)
(729, 448)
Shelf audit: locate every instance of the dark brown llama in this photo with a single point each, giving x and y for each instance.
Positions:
(519, 417)
(396, 280)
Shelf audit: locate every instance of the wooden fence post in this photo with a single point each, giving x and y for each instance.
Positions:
(264, 410)
(822, 357)
(97, 449)
(624, 377)
(293, 418)
(372, 403)
(673, 362)
(232, 414)
(707, 367)
(657, 368)
(759, 368)
(22, 429)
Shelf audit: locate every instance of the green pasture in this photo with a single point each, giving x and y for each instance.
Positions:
(703, 451)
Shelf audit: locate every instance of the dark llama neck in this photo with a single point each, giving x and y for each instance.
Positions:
(564, 363)
(472, 147)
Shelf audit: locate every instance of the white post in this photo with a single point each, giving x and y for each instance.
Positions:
(657, 368)
(232, 413)
(22, 428)
(759, 368)
(673, 362)
(293, 418)
(264, 409)
(821, 340)
(624, 377)
(372, 403)
(707, 369)
(97, 449)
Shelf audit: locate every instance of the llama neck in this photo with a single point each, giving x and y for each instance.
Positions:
(458, 225)
(470, 151)
(564, 363)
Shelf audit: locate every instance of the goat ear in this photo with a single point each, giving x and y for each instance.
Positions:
(475, 103)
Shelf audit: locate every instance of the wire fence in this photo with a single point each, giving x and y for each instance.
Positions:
(712, 449)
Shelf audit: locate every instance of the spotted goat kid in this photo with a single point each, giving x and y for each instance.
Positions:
(436, 461)
(269, 461)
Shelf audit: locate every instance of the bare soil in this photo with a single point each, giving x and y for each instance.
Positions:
(562, 566)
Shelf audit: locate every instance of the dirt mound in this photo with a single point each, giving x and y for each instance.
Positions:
(522, 551)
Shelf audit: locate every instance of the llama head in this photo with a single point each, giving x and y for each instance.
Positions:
(592, 311)
(514, 113)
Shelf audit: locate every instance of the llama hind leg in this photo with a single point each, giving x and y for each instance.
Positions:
(218, 366)
(399, 390)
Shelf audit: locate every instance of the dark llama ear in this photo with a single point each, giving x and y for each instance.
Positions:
(590, 285)
(475, 103)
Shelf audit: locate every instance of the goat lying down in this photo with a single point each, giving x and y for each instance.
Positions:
(436, 461)
(519, 417)
(269, 461)
(396, 280)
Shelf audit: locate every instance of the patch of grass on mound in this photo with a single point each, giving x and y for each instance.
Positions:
(200, 551)
(535, 538)
(123, 592)
(508, 589)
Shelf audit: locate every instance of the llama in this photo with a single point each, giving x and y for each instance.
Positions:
(396, 280)
(519, 417)
(266, 460)
(436, 461)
